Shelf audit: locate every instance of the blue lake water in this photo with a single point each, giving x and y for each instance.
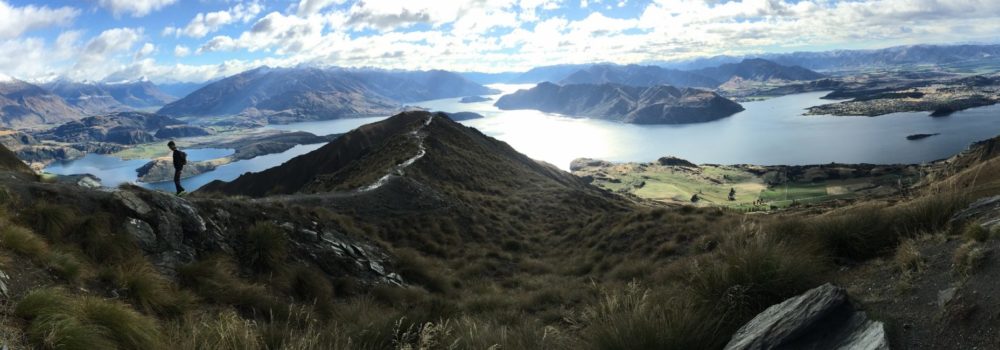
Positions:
(766, 133)
(114, 171)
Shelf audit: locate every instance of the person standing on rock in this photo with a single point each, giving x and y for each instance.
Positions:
(180, 160)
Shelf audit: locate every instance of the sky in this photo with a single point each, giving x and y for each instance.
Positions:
(198, 40)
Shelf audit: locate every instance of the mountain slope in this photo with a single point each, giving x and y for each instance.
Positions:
(101, 98)
(123, 128)
(10, 162)
(758, 70)
(641, 105)
(312, 93)
(25, 105)
(637, 75)
(138, 94)
(423, 167)
(90, 98)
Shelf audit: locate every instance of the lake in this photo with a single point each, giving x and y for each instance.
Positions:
(769, 132)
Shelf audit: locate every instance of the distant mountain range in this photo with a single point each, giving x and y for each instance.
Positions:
(313, 93)
(660, 104)
(99, 98)
(639, 75)
(839, 60)
(831, 61)
(25, 105)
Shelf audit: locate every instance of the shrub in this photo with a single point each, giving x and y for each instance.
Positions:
(60, 321)
(264, 247)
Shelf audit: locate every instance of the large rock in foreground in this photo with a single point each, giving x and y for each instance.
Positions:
(819, 319)
(662, 104)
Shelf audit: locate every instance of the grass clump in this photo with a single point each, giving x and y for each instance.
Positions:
(631, 318)
(264, 247)
(968, 257)
(975, 232)
(60, 321)
(908, 257)
(748, 273)
(146, 289)
(22, 241)
(51, 220)
(419, 270)
(313, 287)
(100, 243)
(216, 281)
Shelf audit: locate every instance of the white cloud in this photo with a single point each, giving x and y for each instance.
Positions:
(281, 33)
(137, 8)
(146, 50)
(17, 20)
(491, 35)
(181, 51)
(309, 7)
(204, 23)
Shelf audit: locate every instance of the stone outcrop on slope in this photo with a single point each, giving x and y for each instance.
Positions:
(822, 318)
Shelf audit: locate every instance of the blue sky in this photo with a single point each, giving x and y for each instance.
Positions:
(195, 40)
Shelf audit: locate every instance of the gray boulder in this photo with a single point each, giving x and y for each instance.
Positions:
(820, 319)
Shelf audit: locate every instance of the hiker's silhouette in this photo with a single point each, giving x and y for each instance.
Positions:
(180, 159)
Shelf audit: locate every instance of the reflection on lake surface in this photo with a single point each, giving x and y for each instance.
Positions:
(767, 133)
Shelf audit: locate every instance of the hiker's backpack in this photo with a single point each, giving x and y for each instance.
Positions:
(183, 157)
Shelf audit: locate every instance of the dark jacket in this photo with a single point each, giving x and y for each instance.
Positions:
(179, 159)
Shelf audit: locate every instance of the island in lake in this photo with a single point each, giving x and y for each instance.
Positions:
(473, 99)
(662, 104)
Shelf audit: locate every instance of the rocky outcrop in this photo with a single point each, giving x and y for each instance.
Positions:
(583, 163)
(985, 211)
(661, 104)
(177, 131)
(172, 231)
(822, 318)
(674, 161)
